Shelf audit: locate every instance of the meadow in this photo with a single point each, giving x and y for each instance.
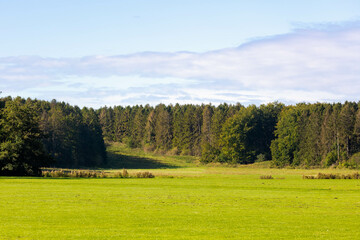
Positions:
(183, 201)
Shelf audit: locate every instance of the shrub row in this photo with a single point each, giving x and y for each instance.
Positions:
(94, 174)
(333, 176)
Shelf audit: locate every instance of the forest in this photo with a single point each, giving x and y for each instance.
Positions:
(36, 133)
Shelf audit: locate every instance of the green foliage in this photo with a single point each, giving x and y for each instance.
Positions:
(130, 142)
(196, 130)
(284, 147)
(305, 135)
(249, 133)
(316, 135)
(260, 158)
(21, 149)
(353, 162)
(73, 136)
(34, 133)
(163, 127)
(235, 137)
(330, 159)
(209, 154)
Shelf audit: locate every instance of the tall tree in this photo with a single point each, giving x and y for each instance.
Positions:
(239, 136)
(346, 128)
(163, 127)
(21, 149)
(106, 119)
(356, 141)
(150, 131)
(208, 151)
(286, 144)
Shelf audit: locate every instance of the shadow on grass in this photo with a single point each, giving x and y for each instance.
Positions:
(117, 160)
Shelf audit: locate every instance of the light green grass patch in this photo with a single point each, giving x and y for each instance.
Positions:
(120, 156)
(209, 206)
(183, 201)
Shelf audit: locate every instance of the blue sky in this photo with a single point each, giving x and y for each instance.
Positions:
(96, 53)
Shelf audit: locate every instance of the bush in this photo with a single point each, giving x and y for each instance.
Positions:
(55, 173)
(309, 177)
(260, 158)
(173, 152)
(149, 148)
(129, 141)
(353, 162)
(94, 174)
(209, 154)
(185, 152)
(144, 175)
(72, 174)
(123, 174)
(333, 176)
(266, 177)
(327, 176)
(160, 151)
(222, 158)
(330, 159)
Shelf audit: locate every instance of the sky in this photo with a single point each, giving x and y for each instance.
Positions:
(126, 52)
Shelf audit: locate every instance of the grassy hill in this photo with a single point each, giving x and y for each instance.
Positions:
(120, 156)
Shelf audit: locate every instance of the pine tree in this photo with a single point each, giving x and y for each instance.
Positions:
(163, 127)
(106, 119)
(346, 128)
(356, 141)
(208, 152)
(92, 147)
(150, 142)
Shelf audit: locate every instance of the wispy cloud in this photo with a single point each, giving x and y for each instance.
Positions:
(317, 63)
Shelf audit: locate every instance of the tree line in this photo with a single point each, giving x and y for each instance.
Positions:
(318, 134)
(223, 133)
(301, 135)
(36, 134)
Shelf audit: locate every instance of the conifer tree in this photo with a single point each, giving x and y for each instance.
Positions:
(163, 127)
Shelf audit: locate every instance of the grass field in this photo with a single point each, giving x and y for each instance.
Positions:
(182, 202)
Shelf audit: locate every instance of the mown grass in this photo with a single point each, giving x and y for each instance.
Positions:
(189, 202)
(205, 207)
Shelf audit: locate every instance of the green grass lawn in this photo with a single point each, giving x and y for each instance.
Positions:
(198, 203)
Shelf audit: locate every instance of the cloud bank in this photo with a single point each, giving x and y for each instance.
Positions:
(313, 64)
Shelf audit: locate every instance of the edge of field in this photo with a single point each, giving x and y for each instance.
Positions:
(163, 165)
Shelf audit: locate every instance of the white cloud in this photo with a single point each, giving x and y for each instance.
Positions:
(316, 64)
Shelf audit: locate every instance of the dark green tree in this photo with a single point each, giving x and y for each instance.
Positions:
(239, 136)
(163, 127)
(21, 149)
(286, 144)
